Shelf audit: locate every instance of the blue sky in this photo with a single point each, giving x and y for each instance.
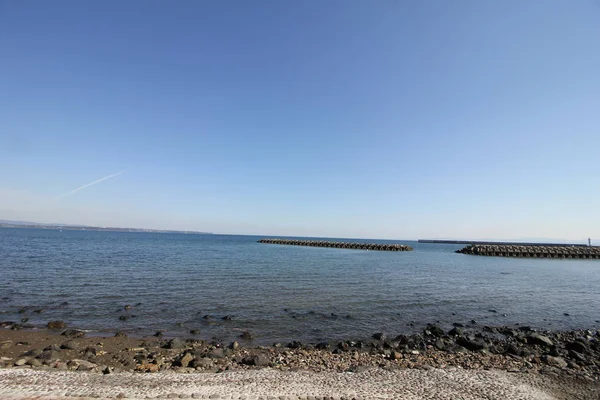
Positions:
(387, 119)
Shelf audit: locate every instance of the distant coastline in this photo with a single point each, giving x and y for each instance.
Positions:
(32, 225)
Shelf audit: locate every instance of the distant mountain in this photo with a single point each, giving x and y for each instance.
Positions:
(37, 225)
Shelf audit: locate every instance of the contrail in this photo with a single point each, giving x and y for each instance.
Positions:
(90, 184)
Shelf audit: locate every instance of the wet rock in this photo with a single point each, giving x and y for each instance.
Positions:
(540, 340)
(322, 346)
(22, 311)
(439, 344)
(54, 347)
(38, 311)
(434, 330)
(246, 335)
(73, 333)
(120, 335)
(493, 311)
(557, 362)
(24, 319)
(456, 331)
(295, 345)
(227, 318)
(195, 331)
(379, 336)
(5, 324)
(158, 334)
(175, 343)
(56, 325)
(123, 317)
(127, 307)
(258, 360)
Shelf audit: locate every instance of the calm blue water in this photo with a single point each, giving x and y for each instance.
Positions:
(280, 293)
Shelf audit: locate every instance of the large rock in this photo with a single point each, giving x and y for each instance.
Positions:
(578, 346)
(70, 345)
(471, 343)
(540, 340)
(48, 355)
(216, 353)
(202, 363)
(434, 330)
(258, 360)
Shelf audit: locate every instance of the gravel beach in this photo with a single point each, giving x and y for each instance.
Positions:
(464, 363)
(268, 384)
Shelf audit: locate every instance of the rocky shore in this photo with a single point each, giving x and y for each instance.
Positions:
(515, 349)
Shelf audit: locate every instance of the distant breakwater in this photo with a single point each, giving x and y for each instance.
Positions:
(339, 245)
(437, 241)
(541, 251)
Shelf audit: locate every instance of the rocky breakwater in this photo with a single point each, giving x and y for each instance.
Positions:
(339, 245)
(587, 252)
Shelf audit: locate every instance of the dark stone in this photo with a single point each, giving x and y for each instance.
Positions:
(567, 314)
(246, 335)
(24, 319)
(38, 311)
(577, 356)
(4, 324)
(493, 311)
(123, 317)
(158, 334)
(379, 336)
(207, 317)
(578, 346)
(56, 325)
(195, 331)
(120, 335)
(258, 360)
(32, 353)
(458, 325)
(295, 345)
(540, 340)
(473, 322)
(48, 355)
(439, 344)
(22, 311)
(73, 333)
(343, 346)
(322, 346)
(127, 307)
(227, 318)
(525, 329)
(434, 330)
(471, 343)
(456, 331)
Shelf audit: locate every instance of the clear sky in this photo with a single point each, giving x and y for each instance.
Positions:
(383, 119)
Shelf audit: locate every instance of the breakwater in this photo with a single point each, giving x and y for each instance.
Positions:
(540, 251)
(339, 245)
(437, 241)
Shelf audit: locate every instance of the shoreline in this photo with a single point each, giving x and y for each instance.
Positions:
(522, 349)
(465, 362)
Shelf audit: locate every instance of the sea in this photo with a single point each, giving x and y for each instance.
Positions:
(222, 285)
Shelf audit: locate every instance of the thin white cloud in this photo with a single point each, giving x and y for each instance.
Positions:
(90, 184)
